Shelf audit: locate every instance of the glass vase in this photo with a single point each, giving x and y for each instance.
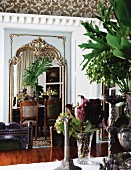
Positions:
(84, 141)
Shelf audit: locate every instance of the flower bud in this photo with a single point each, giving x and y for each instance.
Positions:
(80, 114)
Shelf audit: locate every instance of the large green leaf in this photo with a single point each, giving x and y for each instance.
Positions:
(122, 54)
(122, 47)
(92, 29)
(113, 41)
(122, 9)
(97, 45)
(90, 56)
(104, 17)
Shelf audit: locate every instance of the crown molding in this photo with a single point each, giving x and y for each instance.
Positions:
(16, 18)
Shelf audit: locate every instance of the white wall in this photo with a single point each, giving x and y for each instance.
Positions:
(40, 24)
(80, 83)
(2, 75)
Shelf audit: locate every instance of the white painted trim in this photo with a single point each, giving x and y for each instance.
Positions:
(15, 18)
(1, 75)
(42, 23)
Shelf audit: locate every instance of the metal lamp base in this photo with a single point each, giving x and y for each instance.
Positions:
(109, 164)
(68, 165)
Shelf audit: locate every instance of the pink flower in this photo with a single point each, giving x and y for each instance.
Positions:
(83, 101)
(80, 114)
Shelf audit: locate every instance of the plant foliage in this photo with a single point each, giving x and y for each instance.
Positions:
(122, 10)
(34, 70)
(85, 118)
(75, 125)
(110, 58)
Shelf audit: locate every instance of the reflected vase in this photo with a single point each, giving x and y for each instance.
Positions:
(84, 141)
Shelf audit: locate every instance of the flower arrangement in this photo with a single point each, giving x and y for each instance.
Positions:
(22, 95)
(84, 118)
(50, 92)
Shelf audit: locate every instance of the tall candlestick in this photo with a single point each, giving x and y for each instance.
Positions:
(67, 163)
(66, 145)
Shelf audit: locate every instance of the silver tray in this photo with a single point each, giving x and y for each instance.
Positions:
(124, 160)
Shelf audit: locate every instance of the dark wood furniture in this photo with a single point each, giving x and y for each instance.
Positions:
(35, 155)
(46, 154)
(58, 139)
(16, 115)
(13, 136)
(51, 112)
(29, 113)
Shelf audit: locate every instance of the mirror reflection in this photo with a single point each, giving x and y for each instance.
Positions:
(36, 72)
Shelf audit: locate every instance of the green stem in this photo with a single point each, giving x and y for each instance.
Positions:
(84, 145)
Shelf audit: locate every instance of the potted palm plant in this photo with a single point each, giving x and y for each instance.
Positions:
(35, 69)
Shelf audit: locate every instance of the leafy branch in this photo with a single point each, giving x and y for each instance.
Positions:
(35, 69)
(110, 59)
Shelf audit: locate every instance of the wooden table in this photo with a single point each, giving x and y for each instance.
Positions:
(46, 154)
(34, 155)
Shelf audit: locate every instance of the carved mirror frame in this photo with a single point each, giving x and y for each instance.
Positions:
(41, 49)
(29, 23)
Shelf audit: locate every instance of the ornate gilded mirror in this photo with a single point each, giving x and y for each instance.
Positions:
(54, 79)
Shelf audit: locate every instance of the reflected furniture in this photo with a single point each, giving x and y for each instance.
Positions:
(16, 115)
(29, 113)
(51, 112)
(55, 79)
(14, 137)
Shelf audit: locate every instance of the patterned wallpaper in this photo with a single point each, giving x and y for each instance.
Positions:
(75, 8)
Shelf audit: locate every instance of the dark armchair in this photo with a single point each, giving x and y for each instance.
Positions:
(51, 113)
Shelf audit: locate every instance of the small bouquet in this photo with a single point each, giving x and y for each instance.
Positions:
(84, 118)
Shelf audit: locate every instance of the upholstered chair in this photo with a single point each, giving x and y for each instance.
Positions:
(51, 112)
(29, 113)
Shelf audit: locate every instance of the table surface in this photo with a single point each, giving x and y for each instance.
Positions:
(53, 165)
(45, 154)
(35, 155)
